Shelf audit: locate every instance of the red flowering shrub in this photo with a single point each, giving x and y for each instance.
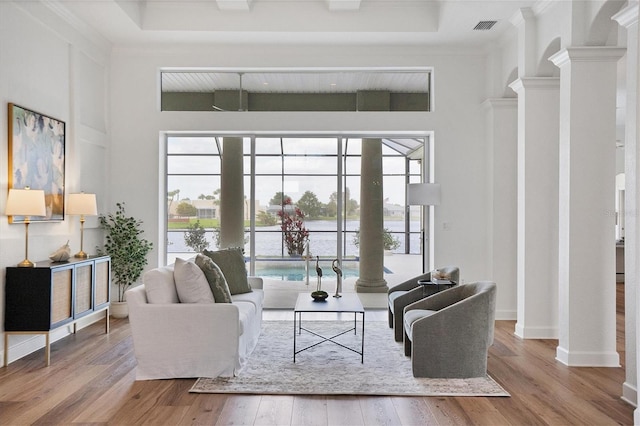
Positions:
(294, 234)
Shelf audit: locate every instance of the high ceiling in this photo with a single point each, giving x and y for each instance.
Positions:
(446, 23)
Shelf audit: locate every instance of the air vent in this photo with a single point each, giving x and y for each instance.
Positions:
(484, 25)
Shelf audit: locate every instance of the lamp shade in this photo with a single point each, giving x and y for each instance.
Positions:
(26, 202)
(423, 194)
(82, 204)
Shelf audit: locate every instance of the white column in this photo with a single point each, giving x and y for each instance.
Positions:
(628, 18)
(537, 253)
(502, 138)
(371, 267)
(232, 194)
(587, 311)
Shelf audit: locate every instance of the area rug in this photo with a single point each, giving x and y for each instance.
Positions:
(328, 369)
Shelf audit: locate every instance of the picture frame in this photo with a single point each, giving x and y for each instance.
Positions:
(37, 159)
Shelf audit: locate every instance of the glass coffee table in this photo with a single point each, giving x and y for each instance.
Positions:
(348, 303)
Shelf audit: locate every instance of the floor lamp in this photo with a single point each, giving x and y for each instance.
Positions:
(423, 194)
(83, 205)
(26, 202)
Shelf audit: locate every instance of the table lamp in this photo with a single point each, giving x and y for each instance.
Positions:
(26, 202)
(83, 205)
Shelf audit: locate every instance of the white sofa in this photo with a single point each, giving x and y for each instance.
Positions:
(180, 340)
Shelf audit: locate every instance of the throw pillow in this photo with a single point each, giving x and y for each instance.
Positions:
(216, 279)
(231, 263)
(191, 284)
(160, 286)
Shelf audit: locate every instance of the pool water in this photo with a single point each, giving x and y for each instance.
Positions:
(286, 271)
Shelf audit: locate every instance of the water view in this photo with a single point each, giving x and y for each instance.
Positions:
(272, 260)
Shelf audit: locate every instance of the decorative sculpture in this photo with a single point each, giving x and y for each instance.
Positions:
(336, 268)
(319, 273)
(307, 257)
(319, 295)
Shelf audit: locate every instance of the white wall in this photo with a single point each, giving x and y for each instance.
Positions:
(46, 66)
(110, 102)
(457, 121)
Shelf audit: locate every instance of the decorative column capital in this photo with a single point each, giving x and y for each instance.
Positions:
(587, 54)
(543, 83)
(500, 103)
(628, 16)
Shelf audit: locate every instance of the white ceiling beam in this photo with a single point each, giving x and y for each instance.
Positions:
(234, 4)
(343, 4)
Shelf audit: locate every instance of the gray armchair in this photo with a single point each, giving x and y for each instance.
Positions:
(410, 291)
(448, 334)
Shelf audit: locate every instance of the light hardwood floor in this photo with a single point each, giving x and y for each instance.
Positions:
(91, 381)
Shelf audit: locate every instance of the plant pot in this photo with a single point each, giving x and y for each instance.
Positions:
(119, 309)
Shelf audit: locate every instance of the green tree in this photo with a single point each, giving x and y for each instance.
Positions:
(332, 205)
(195, 237)
(278, 199)
(266, 218)
(389, 241)
(211, 196)
(186, 209)
(310, 205)
(351, 206)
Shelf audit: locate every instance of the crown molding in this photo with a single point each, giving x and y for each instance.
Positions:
(544, 83)
(587, 54)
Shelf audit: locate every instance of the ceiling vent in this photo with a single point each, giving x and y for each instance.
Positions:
(484, 25)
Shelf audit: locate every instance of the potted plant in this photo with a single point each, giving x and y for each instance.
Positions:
(389, 242)
(294, 233)
(195, 237)
(128, 253)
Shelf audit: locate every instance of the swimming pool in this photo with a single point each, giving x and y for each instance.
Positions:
(287, 270)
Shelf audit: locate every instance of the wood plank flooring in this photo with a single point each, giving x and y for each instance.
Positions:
(91, 381)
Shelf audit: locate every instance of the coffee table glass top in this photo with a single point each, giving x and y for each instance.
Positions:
(349, 302)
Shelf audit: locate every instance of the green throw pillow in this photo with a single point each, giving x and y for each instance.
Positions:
(231, 263)
(216, 279)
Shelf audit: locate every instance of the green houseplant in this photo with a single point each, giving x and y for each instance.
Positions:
(389, 242)
(195, 237)
(127, 249)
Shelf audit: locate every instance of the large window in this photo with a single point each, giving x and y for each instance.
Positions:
(311, 185)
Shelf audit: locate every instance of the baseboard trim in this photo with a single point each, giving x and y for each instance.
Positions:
(630, 394)
(535, 332)
(506, 315)
(587, 359)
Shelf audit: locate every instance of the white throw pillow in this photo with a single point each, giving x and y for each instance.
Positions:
(191, 284)
(160, 286)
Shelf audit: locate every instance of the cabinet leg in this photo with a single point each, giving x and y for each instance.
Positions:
(106, 321)
(6, 349)
(47, 350)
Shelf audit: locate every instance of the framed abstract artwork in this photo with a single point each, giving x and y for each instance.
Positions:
(36, 158)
